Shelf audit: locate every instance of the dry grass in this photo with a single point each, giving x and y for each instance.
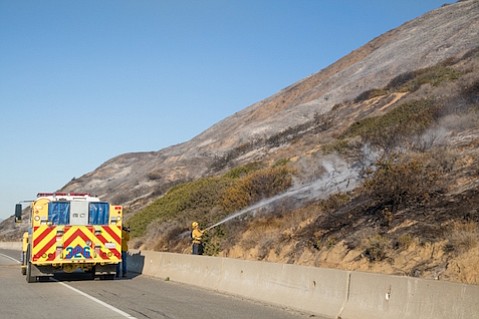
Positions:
(463, 237)
(375, 247)
(404, 241)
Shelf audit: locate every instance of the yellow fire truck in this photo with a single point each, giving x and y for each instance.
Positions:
(70, 232)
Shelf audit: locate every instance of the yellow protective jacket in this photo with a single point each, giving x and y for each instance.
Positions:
(196, 235)
(125, 237)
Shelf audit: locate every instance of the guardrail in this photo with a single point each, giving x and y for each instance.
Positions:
(326, 292)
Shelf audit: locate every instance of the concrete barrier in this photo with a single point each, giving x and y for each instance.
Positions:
(326, 292)
(11, 245)
(310, 289)
(379, 296)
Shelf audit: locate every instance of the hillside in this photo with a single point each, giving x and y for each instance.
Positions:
(451, 31)
(369, 164)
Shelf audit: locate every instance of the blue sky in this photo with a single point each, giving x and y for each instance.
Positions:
(84, 81)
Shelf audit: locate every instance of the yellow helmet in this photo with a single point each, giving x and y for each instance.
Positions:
(194, 224)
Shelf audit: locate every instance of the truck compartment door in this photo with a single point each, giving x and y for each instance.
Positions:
(79, 213)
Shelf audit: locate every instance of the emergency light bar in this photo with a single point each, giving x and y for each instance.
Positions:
(62, 194)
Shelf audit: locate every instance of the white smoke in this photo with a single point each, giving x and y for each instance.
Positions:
(337, 176)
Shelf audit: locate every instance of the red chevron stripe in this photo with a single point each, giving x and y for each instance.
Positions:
(38, 238)
(102, 239)
(104, 255)
(110, 231)
(114, 251)
(77, 233)
(45, 248)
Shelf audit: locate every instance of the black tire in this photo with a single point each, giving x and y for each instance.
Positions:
(24, 268)
(28, 271)
(92, 273)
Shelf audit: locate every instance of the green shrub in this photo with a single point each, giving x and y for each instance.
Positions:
(412, 81)
(243, 170)
(212, 198)
(281, 162)
(366, 95)
(390, 129)
(258, 185)
(192, 197)
(401, 179)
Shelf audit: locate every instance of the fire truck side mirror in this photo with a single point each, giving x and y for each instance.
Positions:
(18, 213)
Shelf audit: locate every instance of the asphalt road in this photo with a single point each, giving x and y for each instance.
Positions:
(137, 296)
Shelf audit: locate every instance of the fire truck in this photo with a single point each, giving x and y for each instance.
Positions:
(71, 232)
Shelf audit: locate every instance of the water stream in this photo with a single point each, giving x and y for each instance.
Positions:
(339, 177)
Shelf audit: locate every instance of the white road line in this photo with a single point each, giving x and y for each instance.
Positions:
(11, 258)
(124, 314)
(104, 304)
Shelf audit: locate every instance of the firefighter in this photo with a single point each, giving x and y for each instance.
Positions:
(125, 237)
(196, 236)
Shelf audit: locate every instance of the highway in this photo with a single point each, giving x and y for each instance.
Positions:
(137, 296)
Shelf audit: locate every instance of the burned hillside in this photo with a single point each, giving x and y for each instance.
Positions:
(369, 164)
(394, 192)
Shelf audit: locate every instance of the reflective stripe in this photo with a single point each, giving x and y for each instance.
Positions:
(79, 243)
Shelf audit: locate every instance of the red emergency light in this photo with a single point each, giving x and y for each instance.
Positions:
(62, 194)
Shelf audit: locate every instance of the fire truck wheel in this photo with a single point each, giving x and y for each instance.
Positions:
(24, 267)
(92, 272)
(28, 271)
